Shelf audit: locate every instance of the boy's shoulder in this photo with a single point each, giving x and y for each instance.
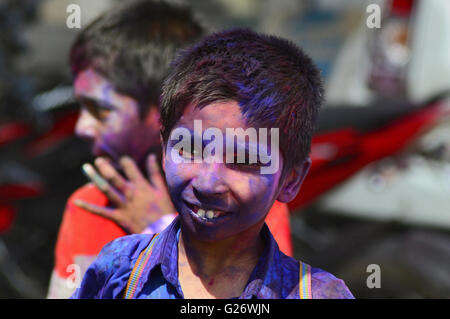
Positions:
(121, 253)
(127, 246)
(324, 285)
(90, 193)
(108, 275)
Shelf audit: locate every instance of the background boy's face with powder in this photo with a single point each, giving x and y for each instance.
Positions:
(111, 122)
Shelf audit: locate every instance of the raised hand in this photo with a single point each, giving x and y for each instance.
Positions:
(136, 202)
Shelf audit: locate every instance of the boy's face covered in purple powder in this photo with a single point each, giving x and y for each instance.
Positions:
(234, 196)
(110, 121)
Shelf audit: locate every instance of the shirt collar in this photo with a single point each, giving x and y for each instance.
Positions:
(165, 255)
(263, 283)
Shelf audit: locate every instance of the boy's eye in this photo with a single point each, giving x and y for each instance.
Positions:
(246, 161)
(98, 111)
(182, 152)
(188, 155)
(246, 165)
(251, 165)
(103, 114)
(250, 168)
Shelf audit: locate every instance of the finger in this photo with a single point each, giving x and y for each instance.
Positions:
(131, 170)
(94, 177)
(98, 210)
(111, 174)
(154, 173)
(102, 184)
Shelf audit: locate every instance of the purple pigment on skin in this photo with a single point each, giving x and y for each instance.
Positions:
(245, 192)
(113, 126)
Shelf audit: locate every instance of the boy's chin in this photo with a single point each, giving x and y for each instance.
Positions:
(207, 231)
(214, 233)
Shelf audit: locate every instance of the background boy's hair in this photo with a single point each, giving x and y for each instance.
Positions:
(274, 82)
(133, 44)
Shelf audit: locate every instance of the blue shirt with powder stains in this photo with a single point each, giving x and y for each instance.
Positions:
(276, 276)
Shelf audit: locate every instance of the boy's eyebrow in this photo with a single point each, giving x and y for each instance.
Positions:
(191, 131)
(249, 147)
(246, 146)
(87, 100)
(192, 134)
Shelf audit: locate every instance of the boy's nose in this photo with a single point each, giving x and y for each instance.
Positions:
(210, 179)
(86, 125)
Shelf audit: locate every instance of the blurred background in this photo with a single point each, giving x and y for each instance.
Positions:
(379, 188)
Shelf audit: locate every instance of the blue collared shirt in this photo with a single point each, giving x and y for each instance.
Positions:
(276, 276)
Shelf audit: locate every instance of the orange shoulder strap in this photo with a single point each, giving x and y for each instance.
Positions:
(139, 266)
(304, 285)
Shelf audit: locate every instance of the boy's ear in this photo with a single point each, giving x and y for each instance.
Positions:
(293, 181)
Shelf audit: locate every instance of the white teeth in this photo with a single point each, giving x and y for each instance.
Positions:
(210, 214)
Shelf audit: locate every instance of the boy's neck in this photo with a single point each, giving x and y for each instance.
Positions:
(218, 269)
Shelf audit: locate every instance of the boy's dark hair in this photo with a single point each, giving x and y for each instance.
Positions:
(274, 82)
(133, 44)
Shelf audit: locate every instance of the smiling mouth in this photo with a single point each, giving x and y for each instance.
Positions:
(206, 214)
